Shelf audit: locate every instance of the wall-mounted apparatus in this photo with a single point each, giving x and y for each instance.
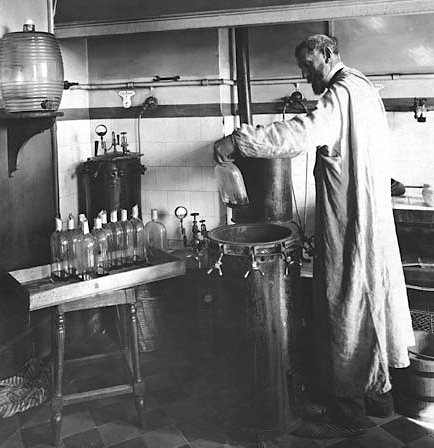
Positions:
(420, 110)
(31, 71)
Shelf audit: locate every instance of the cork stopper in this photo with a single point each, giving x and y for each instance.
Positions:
(103, 215)
(71, 224)
(97, 223)
(85, 226)
(58, 223)
(135, 211)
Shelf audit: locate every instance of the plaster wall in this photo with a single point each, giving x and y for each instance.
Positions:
(14, 14)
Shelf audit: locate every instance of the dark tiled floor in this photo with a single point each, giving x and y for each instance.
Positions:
(186, 406)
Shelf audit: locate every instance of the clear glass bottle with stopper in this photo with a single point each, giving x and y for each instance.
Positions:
(74, 246)
(118, 235)
(107, 229)
(88, 258)
(155, 234)
(59, 252)
(128, 238)
(102, 253)
(139, 244)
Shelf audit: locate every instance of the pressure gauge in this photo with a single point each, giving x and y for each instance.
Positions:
(101, 130)
(181, 212)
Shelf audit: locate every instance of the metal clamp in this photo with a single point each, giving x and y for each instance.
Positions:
(217, 265)
(288, 263)
(254, 265)
(195, 257)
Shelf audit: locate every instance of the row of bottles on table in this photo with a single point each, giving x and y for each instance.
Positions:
(80, 253)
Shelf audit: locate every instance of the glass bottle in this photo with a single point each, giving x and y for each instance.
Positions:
(155, 234)
(106, 227)
(231, 185)
(117, 231)
(139, 248)
(428, 194)
(59, 252)
(88, 252)
(74, 245)
(128, 239)
(102, 255)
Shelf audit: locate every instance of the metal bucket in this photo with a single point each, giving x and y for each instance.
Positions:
(256, 267)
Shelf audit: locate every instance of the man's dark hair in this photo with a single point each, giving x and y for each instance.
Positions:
(317, 42)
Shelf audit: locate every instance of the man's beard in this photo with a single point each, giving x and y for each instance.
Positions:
(319, 83)
(318, 86)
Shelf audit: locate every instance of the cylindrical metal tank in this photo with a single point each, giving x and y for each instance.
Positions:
(31, 71)
(255, 273)
(269, 189)
(111, 182)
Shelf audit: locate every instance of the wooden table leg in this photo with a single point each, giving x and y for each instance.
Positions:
(138, 385)
(123, 326)
(56, 393)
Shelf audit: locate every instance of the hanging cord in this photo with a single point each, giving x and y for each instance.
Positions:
(139, 146)
(150, 104)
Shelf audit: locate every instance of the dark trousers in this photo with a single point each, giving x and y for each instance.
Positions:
(354, 411)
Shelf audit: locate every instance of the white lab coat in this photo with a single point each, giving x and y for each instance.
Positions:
(363, 322)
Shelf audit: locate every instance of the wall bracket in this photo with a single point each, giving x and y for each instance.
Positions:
(21, 127)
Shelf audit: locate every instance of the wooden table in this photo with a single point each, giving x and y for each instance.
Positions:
(118, 289)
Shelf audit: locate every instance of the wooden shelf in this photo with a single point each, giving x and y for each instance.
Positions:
(21, 127)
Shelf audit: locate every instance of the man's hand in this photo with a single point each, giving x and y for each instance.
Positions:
(224, 150)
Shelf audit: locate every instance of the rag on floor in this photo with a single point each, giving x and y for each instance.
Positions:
(21, 392)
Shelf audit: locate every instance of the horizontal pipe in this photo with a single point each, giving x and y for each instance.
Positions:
(149, 84)
(230, 82)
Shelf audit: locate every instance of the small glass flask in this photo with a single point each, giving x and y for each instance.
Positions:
(139, 247)
(118, 236)
(128, 238)
(155, 234)
(59, 252)
(88, 258)
(231, 185)
(102, 257)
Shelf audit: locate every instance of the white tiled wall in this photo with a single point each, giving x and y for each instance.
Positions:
(74, 147)
(178, 154)
(412, 148)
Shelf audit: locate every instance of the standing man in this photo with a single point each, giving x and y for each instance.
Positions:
(362, 323)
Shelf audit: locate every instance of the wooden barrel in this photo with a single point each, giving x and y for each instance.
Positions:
(420, 377)
(256, 267)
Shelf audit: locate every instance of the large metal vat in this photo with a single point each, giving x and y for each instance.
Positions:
(255, 271)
